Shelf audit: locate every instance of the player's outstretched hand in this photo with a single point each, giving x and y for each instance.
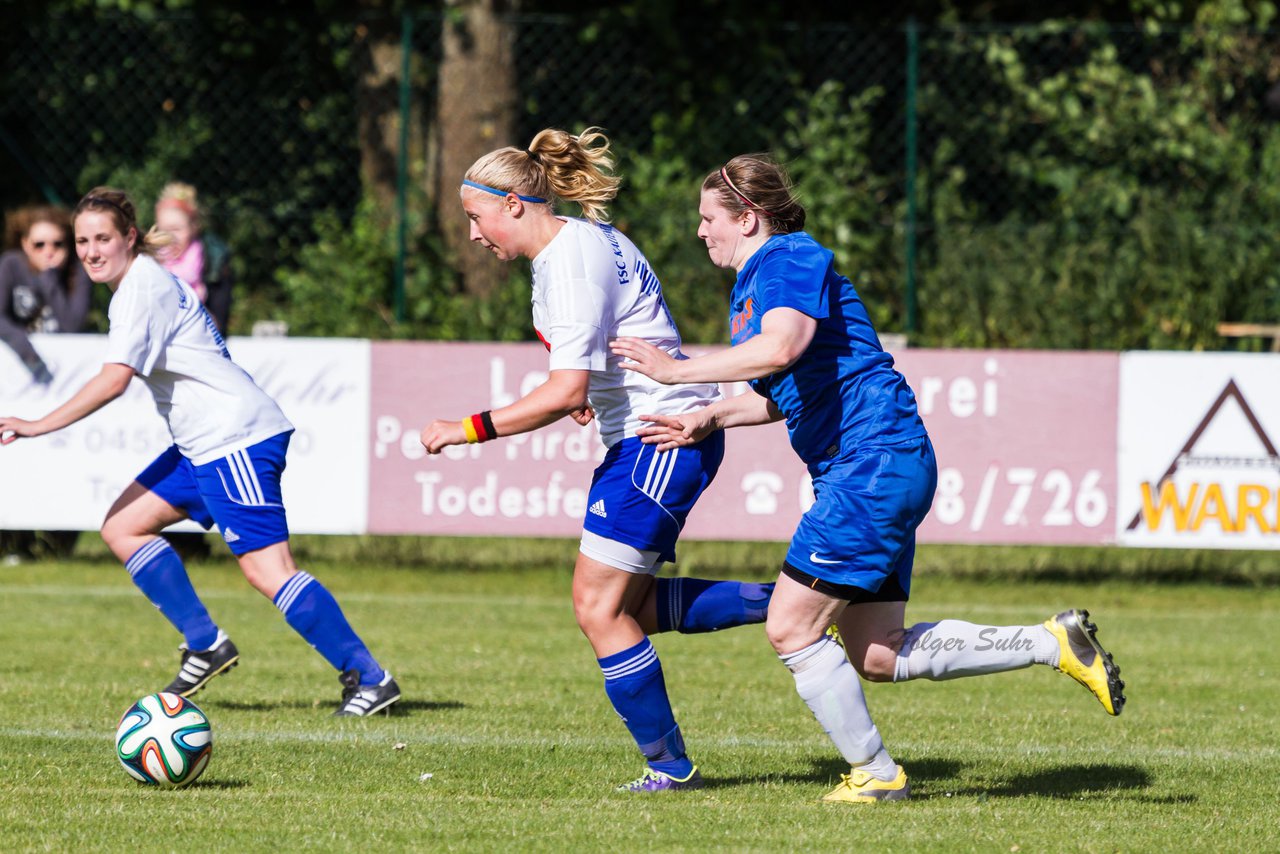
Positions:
(13, 429)
(676, 431)
(439, 435)
(646, 359)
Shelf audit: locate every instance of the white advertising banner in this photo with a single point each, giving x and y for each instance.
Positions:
(1143, 449)
(1198, 466)
(68, 480)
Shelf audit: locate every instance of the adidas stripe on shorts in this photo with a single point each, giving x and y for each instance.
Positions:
(640, 497)
(240, 492)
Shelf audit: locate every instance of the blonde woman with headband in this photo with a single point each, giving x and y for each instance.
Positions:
(590, 284)
(802, 338)
(224, 467)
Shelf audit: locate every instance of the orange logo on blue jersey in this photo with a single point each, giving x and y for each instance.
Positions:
(739, 322)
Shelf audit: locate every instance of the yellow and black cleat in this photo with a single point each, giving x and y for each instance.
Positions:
(1084, 659)
(859, 787)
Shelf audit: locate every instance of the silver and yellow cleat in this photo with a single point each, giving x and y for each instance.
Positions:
(1084, 659)
(859, 787)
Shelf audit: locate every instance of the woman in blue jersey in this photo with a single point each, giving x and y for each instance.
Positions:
(224, 467)
(802, 338)
(590, 284)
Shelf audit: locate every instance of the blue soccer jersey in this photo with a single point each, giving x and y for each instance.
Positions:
(843, 392)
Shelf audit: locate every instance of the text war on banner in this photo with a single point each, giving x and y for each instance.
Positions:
(1198, 460)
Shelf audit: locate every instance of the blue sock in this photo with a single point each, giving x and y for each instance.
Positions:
(692, 605)
(634, 684)
(311, 611)
(160, 575)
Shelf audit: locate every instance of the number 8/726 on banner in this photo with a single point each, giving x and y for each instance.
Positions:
(1020, 497)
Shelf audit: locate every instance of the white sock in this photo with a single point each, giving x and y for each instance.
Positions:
(829, 686)
(953, 648)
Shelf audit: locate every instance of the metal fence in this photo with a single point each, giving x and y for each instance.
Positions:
(96, 98)
(970, 126)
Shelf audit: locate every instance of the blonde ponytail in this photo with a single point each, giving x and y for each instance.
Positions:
(556, 165)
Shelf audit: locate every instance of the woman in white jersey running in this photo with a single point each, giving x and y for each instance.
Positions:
(224, 467)
(591, 284)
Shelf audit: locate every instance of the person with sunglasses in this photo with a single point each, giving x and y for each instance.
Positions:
(42, 288)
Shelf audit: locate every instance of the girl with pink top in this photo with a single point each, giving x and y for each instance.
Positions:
(195, 256)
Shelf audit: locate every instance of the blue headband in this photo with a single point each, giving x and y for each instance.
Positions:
(533, 199)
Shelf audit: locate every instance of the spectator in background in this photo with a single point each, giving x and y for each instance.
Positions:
(42, 287)
(196, 256)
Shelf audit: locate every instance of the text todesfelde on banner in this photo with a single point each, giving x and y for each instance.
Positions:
(1026, 449)
(1033, 447)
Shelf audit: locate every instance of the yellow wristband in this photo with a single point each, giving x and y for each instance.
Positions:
(470, 430)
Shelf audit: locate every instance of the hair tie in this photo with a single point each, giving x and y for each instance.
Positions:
(532, 199)
(534, 156)
(105, 201)
(181, 204)
(724, 174)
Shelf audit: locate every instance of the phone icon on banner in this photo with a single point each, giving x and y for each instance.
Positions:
(762, 488)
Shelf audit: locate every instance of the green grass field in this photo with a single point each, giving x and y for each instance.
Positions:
(504, 710)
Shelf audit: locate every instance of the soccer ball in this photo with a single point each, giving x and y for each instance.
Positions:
(164, 740)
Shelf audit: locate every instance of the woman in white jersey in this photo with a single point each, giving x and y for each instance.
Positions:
(224, 467)
(591, 284)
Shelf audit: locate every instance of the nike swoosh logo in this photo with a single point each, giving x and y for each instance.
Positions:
(813, 558)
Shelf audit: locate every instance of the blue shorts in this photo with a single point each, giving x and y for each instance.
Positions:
(641, 497)
(861, 530)
(240, 492)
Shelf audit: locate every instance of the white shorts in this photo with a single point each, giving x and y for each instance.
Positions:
(619, 555)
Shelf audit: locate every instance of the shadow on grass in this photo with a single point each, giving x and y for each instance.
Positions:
(826, 772)
(219, 784)
(407, 706)
(930, 778)
(402, 708)
(1070, 782)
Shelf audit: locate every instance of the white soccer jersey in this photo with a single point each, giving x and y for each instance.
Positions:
(160, 329)
(590, 285)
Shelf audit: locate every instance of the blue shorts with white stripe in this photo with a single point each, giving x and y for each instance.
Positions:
(641, 497)
(239, 492)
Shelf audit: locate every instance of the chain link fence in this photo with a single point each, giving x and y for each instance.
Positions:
(266, 132)
(1077, 129)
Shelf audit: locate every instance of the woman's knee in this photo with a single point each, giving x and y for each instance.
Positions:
(594, 611)
(267, 569)
(260, 580)
(134, 518)
(121, 536)
(876, 664)
(788, 636)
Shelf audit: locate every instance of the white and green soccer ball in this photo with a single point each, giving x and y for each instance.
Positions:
(164, 740)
